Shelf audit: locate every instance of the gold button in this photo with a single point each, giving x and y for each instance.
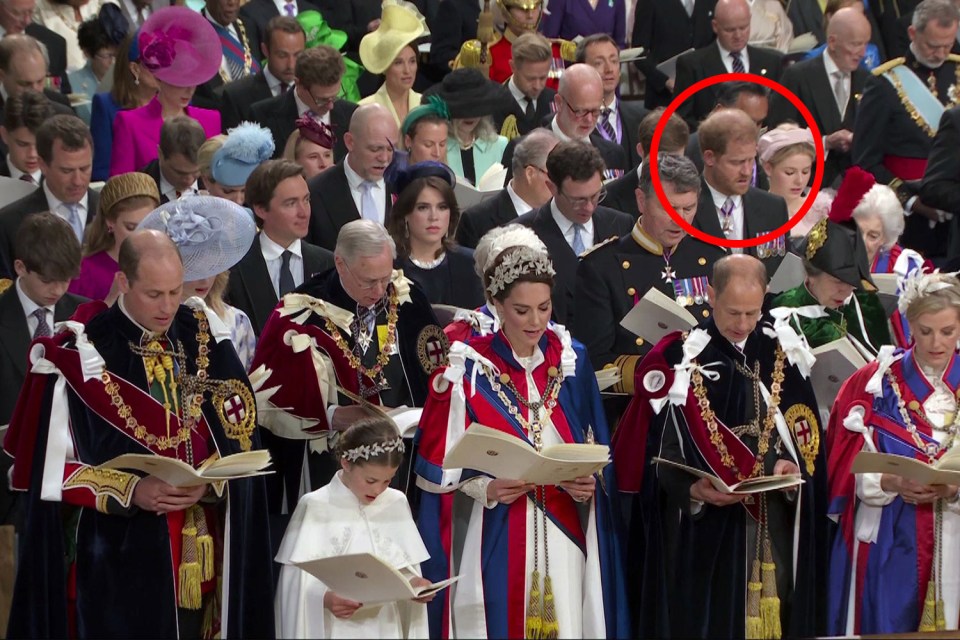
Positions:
(706, 313)
(701, 261)
(631, 291)
(626, 264)
(913, 405)
(639, 342)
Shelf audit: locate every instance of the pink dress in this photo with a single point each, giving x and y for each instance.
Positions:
(136, 134)
(95, 277)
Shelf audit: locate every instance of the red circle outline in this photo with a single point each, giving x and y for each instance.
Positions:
(811, 124)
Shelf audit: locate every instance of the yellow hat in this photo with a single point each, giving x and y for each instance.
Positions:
(400, 25)
(127, 185)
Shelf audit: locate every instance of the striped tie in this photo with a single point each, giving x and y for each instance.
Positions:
(737, 62)
(606, 127)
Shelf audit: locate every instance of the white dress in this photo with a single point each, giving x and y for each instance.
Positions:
(769, 25)
(331, 521)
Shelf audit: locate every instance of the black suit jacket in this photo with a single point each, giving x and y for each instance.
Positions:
(332, 206)
(663, 29)
(238, 97)
(458, 19)
(153, 170)
(762, 212)
(809, 81)
(622, 194)
(279, 114)
(208, 94)
(481, 218)
(56, 53)
(631, 113)
(695, 154)
(614, 157)
(16, 212)
(705, 63)
(250, 288)
(541, 113)
(941, 180)
(14, 343)
(607, 223)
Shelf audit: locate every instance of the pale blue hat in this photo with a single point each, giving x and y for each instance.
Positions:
(246, 147)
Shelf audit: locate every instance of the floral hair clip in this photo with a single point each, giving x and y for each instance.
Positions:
(367, 451)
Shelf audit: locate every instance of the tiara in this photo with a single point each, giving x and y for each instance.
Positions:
(367, 451)
(918, 284)
(519, 263)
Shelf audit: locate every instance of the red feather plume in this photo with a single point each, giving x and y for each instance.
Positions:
(856, 183)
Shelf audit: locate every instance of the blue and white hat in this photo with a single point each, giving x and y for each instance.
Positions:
(246, 147)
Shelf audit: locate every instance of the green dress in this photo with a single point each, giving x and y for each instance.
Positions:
(839, 322)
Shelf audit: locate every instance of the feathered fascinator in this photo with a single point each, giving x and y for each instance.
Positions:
(247, 145)
(917, 284)
(316, 132)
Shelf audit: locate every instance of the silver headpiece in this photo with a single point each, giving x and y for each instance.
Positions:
(519, 263)
(367, 451)
(918, 284)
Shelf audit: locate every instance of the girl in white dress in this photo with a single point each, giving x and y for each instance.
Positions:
(356, 512)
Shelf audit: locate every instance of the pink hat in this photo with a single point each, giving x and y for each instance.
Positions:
(180, 47)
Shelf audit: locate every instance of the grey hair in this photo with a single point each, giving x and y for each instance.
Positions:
(943, 12)
(882, 201)
(677, 170)
(533, 149)
(499, 238)
(363, 239)
(485, 130)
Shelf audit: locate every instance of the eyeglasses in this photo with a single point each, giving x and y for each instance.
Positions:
(367, 284)
(581, 203)
(580, 114)
(539, 169)
(105, 55)
(322, 101)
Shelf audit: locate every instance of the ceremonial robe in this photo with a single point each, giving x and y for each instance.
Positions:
(902, 262)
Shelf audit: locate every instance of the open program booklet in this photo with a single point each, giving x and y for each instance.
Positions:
(178, 473)
(759, 484)
(946, 470)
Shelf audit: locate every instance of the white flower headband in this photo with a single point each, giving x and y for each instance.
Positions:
(367, 451)
(918, 284)
(519, 263)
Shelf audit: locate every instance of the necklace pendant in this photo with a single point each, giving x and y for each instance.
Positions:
(668, 274)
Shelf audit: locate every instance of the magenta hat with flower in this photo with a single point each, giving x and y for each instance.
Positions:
(180, 47)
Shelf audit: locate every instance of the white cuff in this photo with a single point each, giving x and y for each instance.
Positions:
(476, 488)
(870, 492)
(908, 207)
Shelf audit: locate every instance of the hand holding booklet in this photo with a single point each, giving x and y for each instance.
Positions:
(505, 456)
(759, 484)
(178, 473)
(365, 578)
(946, 470)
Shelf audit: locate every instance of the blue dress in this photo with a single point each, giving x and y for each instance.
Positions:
(104, 110)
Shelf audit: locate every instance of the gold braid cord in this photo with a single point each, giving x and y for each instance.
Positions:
(816, 238)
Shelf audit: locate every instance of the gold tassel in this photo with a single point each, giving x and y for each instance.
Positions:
(754, 622)
(551, 626)
(769, 601)
(928, 620)
(189, 572)
(204, 545)
(534, 608)
(509, 129)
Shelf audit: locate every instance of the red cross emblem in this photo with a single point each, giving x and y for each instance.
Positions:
(435, 352)
(234, 410)
(802, 430)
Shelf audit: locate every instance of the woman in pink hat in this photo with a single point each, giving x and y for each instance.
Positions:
(182, 50)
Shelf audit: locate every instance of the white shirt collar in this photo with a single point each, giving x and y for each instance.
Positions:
(614, 107)
(16, 173)
(167, 189)
(272, 81)
(565, 223)
(518, 95)
(353, 178)
(519, 204)
(29, 306)
(56, 205)
(719, 198)
(272, 251)
(302, 107)
(830, 66)
(639, 169)
(279, 4)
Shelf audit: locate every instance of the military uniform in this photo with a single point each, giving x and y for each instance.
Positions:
(894, 134)
(613, 277)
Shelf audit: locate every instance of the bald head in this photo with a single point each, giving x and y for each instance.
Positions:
(146, 244)
(736, 294)
(848, 34)
(371, 139)
(151, 279)
(739, 267)
(731, 23)
(579, 100)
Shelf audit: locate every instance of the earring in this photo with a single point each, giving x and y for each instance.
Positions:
(136, 80)
(406, 230)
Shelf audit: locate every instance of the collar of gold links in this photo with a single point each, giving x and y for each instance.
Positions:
(386, 350)
(533, 425)
(769, 421)
(140, 432)
(931, 449)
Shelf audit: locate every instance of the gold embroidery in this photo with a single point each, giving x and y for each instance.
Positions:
(104, 483)
(806, 432)
(816, 238)
(386, 350)
(237, 411)
(432, 346)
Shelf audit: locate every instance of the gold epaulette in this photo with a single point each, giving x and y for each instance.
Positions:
(5, 284)
(627, 365)
(889, 64)
(509, 129)
(568, 49)
(953, 57)
(598, 245)
(469, 56)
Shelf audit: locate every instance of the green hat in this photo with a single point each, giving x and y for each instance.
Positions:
(429, 106)
(319, 32)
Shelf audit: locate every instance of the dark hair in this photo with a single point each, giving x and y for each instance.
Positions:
(29, 109)
(124, 89)
(597, 38)
(503, 294)
(729, 92)
(283, 24)
(321, 65)
(92, 38)
(576, 160)
(265, 178)
(15, 46)
(676, 133)
(71, 131)
(430, 118)
(183, 135)
(407, 202)
(48, 245)
(368, 432)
